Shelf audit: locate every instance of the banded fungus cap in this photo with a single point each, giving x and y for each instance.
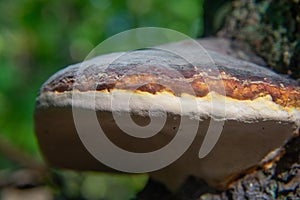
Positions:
(262, 109)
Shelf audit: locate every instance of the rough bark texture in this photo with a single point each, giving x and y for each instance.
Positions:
(271, 29)
(281, 180)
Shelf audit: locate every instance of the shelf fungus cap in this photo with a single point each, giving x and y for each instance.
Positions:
(261, 112)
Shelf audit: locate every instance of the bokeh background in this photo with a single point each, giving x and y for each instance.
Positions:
(39, 37)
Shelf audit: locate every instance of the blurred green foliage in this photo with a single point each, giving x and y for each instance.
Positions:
(39, 37)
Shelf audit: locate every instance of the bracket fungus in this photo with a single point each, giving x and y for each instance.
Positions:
(261, 112)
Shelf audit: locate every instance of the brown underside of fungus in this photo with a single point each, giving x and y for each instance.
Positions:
(262, 110)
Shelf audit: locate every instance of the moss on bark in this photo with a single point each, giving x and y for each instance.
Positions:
(271, 28)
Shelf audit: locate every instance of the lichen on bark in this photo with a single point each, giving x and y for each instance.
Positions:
(271, 28)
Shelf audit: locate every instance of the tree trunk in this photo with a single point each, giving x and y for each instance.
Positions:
(271, 30)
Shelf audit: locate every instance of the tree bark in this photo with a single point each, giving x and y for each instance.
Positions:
(271, 30)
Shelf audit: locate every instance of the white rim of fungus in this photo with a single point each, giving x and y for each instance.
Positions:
(259, 109)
